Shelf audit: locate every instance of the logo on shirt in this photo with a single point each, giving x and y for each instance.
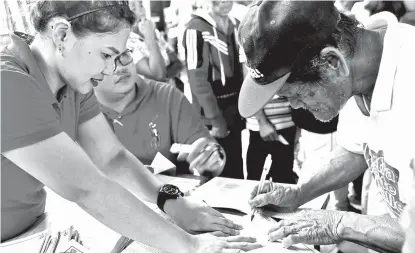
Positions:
(254, 73)
(386, 178)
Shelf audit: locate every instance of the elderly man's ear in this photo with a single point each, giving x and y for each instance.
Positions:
(335, 60)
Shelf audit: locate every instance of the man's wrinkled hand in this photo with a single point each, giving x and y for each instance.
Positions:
(314, 227)
(281, 195)
(196, 216)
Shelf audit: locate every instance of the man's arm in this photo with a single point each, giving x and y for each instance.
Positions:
(152, 67)
(380, 233)
(337, 170)
(61, 165)
(322, 227)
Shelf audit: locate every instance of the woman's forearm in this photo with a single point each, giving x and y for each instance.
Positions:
(380, 233)
(128, 171)
(121, 211)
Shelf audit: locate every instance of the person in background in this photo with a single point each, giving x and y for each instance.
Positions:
(239, 9)
(321, 63)
(144, 42)
(409, 16)
(153, 56)
(215, 77)
(272, 131)
(149, 116)
(54, 135)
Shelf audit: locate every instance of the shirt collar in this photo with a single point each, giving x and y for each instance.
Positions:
(142, 90)
(382, 94)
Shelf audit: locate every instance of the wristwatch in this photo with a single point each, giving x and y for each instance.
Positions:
(166, 192)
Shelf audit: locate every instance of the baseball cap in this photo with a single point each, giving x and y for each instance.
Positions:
(274, 35)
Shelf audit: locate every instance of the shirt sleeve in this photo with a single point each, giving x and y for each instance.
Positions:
(352, 128)
(188, 125)
(27, 114)
(89, 107)
(197, 58)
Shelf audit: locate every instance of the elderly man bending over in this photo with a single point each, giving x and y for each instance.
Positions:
(319, 59)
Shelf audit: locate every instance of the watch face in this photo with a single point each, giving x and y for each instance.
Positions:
(171, 190)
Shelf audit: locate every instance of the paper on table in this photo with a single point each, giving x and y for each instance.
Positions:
(74, 247)
(259, 228)
(27, 244)
(228, 193)
(161, 163)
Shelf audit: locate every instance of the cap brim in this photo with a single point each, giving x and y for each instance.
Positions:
(253, 97)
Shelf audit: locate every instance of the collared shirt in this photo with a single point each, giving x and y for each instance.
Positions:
(387, 137)
(168, 109)
(30, 113)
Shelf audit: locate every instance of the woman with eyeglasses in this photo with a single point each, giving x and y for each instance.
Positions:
(54, 135)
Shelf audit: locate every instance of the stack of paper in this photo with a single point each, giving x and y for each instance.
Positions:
(47, 242)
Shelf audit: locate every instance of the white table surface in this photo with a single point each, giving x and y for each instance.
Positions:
(100, 239)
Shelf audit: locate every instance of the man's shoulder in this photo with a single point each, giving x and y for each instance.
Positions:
(164, 92)
(198, 24)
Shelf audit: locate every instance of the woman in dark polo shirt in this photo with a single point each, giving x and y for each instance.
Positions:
(54, 134)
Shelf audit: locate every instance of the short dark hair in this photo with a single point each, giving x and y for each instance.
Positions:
(107, 20)
(307, 67)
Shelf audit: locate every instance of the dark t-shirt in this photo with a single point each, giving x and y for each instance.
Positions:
(30, 113)
(306, 120)
(164, 105)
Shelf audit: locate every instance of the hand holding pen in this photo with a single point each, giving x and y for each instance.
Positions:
(265, 171)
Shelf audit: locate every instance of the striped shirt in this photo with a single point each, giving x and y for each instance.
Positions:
(278, 112)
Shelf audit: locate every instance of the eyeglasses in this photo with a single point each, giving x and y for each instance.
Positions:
(124, 59)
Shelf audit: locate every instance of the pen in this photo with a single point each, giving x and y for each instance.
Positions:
(265, 171)
(46, 245)
(43, 243)
(56, 242)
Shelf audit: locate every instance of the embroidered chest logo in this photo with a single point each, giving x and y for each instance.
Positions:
(386, 178)
(254, 73)
(155, 137)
